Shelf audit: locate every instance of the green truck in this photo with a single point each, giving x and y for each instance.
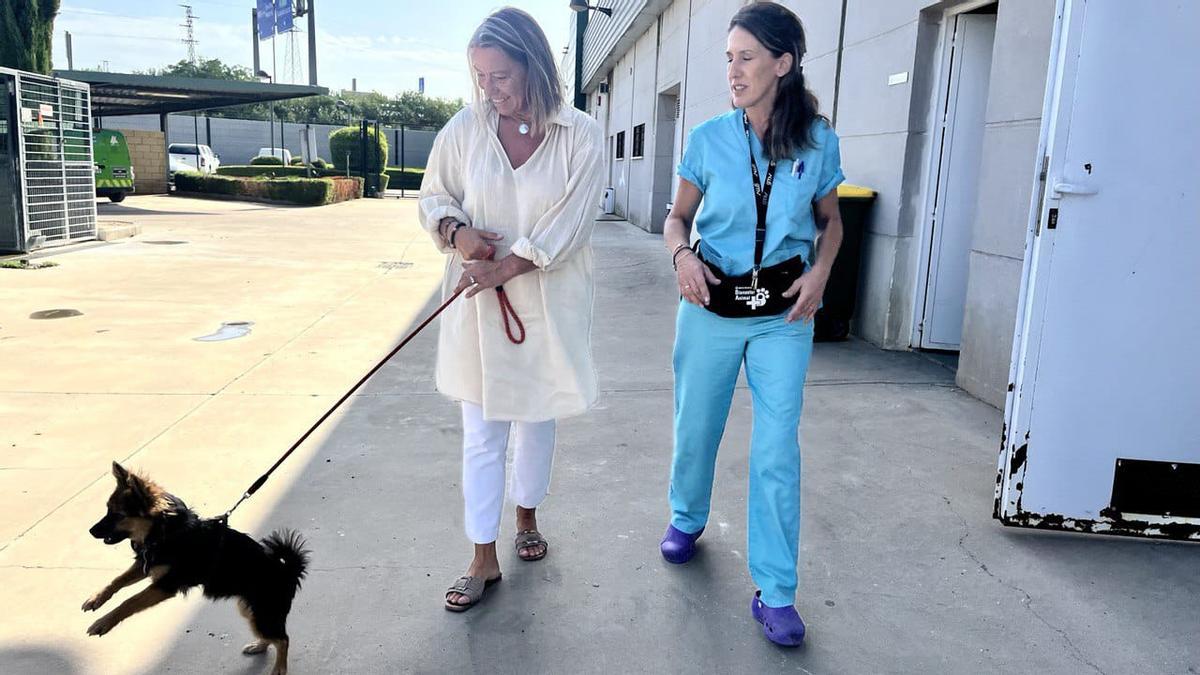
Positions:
(114, 170)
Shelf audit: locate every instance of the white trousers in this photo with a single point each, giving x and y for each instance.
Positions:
(485, 450)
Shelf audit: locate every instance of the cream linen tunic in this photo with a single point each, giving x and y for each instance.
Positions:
(546, 211)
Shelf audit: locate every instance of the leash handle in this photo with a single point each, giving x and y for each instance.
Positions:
(506, 311)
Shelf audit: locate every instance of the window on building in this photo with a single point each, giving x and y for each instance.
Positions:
(639, 140)
(620, 145)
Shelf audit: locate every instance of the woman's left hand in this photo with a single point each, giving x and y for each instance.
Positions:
(807, 290)
(482, 274)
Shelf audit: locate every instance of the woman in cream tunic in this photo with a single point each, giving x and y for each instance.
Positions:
(510, 194)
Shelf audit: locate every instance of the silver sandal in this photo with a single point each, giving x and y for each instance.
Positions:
(471, 587)
(529, 539)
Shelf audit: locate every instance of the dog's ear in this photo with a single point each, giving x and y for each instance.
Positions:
(140, 490)
(119, 473)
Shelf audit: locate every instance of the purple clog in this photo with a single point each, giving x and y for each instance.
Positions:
(678, 547)
(781, 625)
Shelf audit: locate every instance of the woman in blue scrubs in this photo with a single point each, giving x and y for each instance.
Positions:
(765, 175)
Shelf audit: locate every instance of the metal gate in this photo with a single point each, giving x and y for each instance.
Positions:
(55, 169)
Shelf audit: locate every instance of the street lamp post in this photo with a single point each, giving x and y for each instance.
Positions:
(580, 7)
(263, 75)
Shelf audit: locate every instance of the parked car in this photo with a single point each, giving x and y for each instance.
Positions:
(281, 153)
(192, 157)
(114, 170)
(175, 166)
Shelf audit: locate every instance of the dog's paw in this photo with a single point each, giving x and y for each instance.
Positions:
(102, 626)
(256, 647)
(93, 603)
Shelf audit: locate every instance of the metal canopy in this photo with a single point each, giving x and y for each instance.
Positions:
(116, 94)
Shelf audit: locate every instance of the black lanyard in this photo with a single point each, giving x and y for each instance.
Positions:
(762, 196)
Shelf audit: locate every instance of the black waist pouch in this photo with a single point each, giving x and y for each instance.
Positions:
(740, 297)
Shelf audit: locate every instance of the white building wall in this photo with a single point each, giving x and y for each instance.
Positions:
(619, 113)
(642, 109)
(1010, 138)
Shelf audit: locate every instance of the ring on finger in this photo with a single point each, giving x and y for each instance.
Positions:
(471, 278)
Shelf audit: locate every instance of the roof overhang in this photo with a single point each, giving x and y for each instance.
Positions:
(115, 94)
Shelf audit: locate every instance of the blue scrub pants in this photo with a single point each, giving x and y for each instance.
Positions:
(709, 353)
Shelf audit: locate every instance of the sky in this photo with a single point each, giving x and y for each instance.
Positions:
(386, 45)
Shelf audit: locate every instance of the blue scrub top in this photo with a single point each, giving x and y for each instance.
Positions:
(716, 161)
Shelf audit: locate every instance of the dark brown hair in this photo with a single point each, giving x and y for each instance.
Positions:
(780, 31)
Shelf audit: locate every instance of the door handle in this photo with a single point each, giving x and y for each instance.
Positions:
(1062, 188)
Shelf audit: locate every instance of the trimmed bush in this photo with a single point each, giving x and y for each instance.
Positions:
(319, 163)
(303, 191)
(346, 140)
(266, 161)
(244, 171)
(297, 161)
(405, 179)
(192, 181)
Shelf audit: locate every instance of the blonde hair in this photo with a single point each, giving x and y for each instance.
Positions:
(518, 35)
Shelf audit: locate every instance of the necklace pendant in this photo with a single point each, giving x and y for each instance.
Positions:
(523, 128)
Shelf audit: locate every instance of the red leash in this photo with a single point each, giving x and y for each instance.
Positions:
(506, 310)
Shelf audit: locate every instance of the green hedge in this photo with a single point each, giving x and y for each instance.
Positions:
(243, 171)
(266, 161)
(405, 179)
(346, 140)
(303, 191)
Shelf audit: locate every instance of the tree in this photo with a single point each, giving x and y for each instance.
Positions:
(26, 30)
(210, 69)
(409, 108)
(414, 109)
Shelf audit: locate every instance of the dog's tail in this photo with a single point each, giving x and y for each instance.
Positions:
(287, 546)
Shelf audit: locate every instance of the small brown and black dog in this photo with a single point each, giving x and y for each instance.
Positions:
(178, 551)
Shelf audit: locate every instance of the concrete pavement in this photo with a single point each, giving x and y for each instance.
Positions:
(903, 569)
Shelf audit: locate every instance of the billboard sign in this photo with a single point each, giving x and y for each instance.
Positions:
(274, 16)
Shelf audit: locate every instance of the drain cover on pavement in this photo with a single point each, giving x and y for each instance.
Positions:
(55, 314)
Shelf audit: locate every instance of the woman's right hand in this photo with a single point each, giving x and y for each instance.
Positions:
(694, 278)
(475, 244)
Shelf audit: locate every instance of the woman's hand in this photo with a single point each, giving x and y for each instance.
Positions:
(808, 291)
(694, 278)
(482, 274)
(473, 244)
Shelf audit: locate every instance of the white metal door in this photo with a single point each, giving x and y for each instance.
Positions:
(969, 70)
(1103, 417)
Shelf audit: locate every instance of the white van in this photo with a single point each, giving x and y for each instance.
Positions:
(192, 157)
(281, 153)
